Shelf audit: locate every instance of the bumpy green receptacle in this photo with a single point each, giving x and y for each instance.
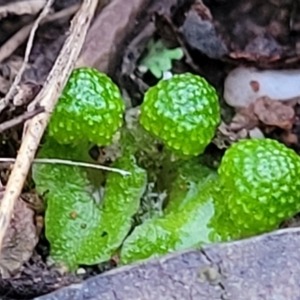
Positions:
(183, 112)
(263, 180)
(89, 109)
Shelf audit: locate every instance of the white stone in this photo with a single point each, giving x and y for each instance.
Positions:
(244, 85)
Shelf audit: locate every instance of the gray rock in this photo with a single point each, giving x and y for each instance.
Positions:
(263, 267)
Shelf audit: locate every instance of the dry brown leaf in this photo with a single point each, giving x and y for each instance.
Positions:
(10, 68)
(239, 25)
(264, 112)
(26, 93)
(274, 113)
(225, 136)
(4, 85)
(244, 119)
(100, 48)
(19, 241)
(289, 138)
(30, 7)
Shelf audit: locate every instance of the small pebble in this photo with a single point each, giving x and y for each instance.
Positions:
(81, 271)
(245, 85)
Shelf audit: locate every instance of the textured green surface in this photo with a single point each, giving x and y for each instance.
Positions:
(191, 176)
(159, 58)
(257, 188)
(183, 112)
(192, 217)
(79, 230)
(89, 109)
(263, 180)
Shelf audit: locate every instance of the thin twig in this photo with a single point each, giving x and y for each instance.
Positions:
(19, 38)
(20, 119)
(56, 161)
(22, 7)
(4, 85)
(17, 79)
(47, 98)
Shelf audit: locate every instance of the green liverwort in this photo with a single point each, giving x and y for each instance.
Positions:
(183, 112)
(90, 109)
(262, 177)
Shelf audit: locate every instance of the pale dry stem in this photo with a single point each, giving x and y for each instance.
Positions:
(19, 38)
(20, 119)
(17, 79)
(47, 98)
(30, 7)
(66, 162)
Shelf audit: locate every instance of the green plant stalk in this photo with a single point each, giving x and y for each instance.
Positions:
(192, 217)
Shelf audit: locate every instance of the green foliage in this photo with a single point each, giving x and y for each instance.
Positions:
(190, 219)
(257, 189)
(90, 109)
(257, 186)
(80, 230)
(183, 112)
(262, 178)
(159, 58)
